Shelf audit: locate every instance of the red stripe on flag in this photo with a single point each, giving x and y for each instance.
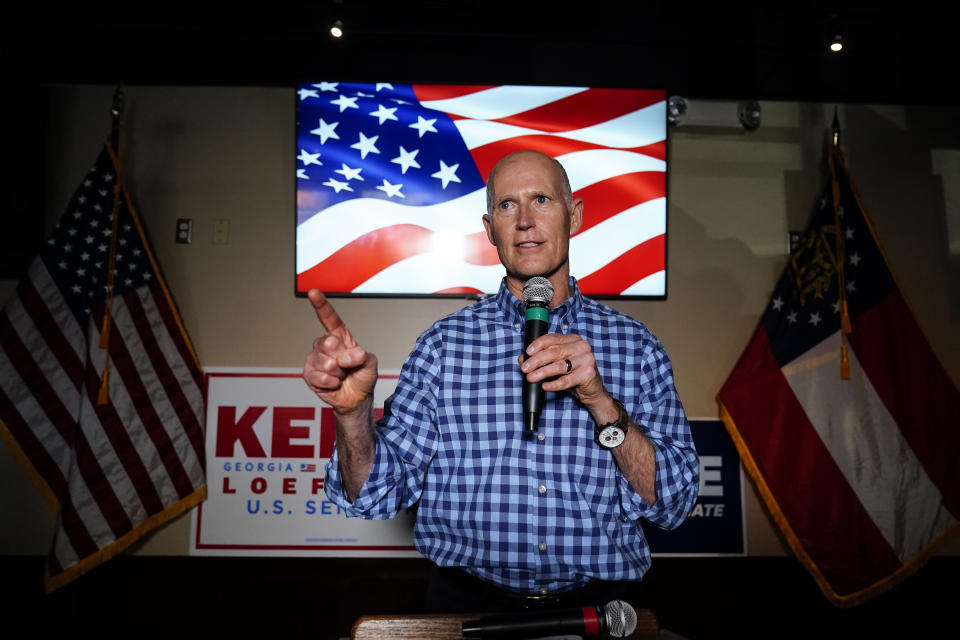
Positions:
(637, 263)
(606, 199)
(192, 423)
(487, 155)
(45, 325)
(904, 371)
(46, 467)
(176, 335)
(168, 379)
(66, 425)
(457, 290)
(445, 92)
(140, 396)
(805, 483)
(585, 109)
(116, 433)
(656, 150)
(356, 262)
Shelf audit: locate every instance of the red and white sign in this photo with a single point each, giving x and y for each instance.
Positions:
(268, 439)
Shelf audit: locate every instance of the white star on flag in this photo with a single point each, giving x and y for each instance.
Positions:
(327, 86)
(383, 113)
(815, 318)
(337, 185)
(391, 189)
(365, 145)
(308, 158)
(384, 85)
(349, 173)
(302, 174)
(345, 103)
(777, 304)
(446, 175)
(308, 93)
(326, 131)
(407, 159)
(423, 126)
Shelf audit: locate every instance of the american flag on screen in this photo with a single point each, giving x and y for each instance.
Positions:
(391, 179)
(103, 409)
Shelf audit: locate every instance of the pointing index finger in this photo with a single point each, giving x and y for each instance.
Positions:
(325, 312)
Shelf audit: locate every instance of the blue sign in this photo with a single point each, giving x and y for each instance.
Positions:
(715, 526)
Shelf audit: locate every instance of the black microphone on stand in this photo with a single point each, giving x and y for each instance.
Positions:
(537, 294)
(616, 618)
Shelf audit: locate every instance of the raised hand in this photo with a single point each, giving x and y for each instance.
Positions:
(338, 370)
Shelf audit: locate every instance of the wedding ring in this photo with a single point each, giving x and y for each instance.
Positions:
(569, 366)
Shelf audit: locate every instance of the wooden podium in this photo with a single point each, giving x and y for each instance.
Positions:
(447, 626)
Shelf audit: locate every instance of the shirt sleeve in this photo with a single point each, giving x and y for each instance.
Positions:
(406, 441)
(657, 411)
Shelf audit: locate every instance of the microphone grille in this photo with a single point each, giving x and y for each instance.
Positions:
(621, 618)
(537, 289)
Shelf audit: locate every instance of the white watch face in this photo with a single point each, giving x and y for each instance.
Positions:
(611, 436)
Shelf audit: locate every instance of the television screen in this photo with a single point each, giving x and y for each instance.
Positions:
(391, 177)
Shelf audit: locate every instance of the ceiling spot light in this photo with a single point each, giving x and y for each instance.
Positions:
(336, 29)
(836, 45)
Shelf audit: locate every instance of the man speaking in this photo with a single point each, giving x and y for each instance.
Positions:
(512, 515)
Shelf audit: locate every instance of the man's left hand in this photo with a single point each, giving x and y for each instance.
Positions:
(548, 360)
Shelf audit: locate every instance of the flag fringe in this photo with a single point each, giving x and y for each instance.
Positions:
(74, 571)
(773, 508)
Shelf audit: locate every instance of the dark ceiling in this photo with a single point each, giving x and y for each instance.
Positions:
(731, 50)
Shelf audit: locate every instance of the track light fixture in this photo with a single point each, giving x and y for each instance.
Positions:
(836, 44)
(336, 29)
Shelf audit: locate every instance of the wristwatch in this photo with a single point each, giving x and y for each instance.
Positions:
(612, 434)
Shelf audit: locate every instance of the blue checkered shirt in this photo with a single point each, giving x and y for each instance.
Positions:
(533, 515)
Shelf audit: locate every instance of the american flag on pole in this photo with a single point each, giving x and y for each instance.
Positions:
(103, 409)
(390, 183)
(843, 415)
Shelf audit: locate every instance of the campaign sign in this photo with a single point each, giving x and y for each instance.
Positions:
(715, 525)
(268, 438)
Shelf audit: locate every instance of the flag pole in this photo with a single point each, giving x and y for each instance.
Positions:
(117, 112)
(836, 129)
(103, 396)
(845, 326)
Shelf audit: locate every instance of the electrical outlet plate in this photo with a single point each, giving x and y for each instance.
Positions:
(221, 231)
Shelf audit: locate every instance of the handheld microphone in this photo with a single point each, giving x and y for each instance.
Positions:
(616, 618)
(537, 294)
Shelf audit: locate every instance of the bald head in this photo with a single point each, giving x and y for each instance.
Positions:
(507, 159)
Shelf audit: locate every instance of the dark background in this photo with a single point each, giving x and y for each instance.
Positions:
(320, 598)
(902, 54)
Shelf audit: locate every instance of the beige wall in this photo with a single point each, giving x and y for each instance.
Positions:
(217, 152)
